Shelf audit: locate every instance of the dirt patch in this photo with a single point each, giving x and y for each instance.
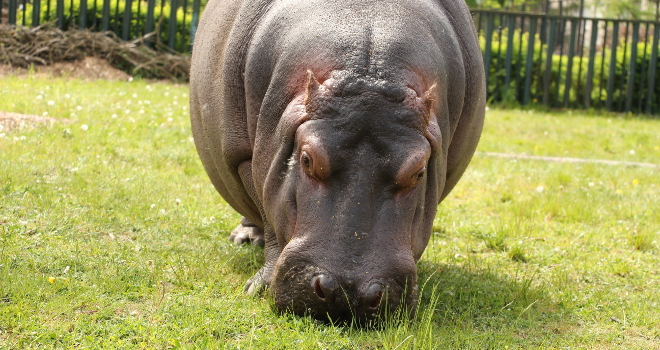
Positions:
(15, 121)
(90, 68)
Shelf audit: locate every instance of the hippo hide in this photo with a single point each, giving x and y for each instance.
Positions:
(335, 127)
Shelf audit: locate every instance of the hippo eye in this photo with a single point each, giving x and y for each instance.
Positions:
(306, 160)
(419, 175)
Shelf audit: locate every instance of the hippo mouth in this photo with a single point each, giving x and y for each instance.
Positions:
(305, 290)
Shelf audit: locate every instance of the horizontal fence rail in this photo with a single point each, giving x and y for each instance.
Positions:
(570, 62)
(174, 22)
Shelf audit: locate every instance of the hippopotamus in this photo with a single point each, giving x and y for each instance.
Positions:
(335, 128)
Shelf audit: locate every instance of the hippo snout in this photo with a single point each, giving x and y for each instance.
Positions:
(341, 295)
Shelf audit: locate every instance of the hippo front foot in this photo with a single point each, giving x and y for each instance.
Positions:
(258, 283)
(247, 232)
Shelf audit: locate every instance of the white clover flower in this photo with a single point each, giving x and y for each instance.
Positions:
(185, 94)
(540, 189)
(45, 114)
(175, 102)
(79, 108)
(632, 152)
(170, 119)
(153, 205)
(166, 93)
(51, 103)
(22, 138)
(40, 97)
(114, 116)
(177, 201)
(84, 127)
(2, 135)
(67, 96)
(134, 95)
(127, 111)
(130, 79)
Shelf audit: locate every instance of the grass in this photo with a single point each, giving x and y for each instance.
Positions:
(113, 237)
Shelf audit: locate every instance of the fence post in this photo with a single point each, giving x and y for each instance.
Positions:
(13, 6)
(126, 26)
(489, 46)
(632, 67)
(36, 12)
(82, 21)
(59, 14)
(529, 60)
(149, 21)
(612, 74)
(105, 16)
(569, 65)
(590, 68)
(509, 53)
(171, 37)
(548, 62)
(652, 69)
(195, 21)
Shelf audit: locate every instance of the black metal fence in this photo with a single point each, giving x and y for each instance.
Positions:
(174, 22)
(571, 62)
(556, 61)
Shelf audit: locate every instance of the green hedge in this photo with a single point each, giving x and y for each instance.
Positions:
(498, 93)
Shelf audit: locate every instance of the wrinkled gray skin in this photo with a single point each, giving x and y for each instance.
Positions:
(335, 128)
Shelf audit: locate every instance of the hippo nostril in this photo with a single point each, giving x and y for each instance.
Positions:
(318, 289)
(324, 286)
(374, 304)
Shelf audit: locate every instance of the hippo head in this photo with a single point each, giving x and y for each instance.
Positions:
(352, 199)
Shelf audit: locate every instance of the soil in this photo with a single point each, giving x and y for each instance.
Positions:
(15, 121)
(90, 68)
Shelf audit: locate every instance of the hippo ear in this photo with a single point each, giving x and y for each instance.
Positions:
(430, 100)
(312, 86)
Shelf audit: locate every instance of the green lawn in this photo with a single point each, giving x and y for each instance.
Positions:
(111, 236)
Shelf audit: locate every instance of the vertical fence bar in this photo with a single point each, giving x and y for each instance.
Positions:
(529, 62)
(569, 64)
(23, 16)
(171, 37)
(96, 15)
(590, 67)
(105, 16)
(82, 21)
(499, 65)
(582, 29)
(652, 69)
(539, 76)
(47, 10)
(622, 80)
(183, 45)
(643, 73)
(11, 11)
(518, 69)
(612, 74)
(632, 67)
(36, 12)
(149, 21)
(126, 25)
(195, 20)
(548, 62)
(489, 47)
(509, 53)
(602, 65)
(562, 30)
(137, 19)
(59, 14)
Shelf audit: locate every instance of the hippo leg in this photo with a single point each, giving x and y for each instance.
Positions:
(262, 279)
(247, 232)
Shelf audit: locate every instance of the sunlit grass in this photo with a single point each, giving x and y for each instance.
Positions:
(111, 236)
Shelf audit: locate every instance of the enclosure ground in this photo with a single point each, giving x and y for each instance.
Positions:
(112, 236)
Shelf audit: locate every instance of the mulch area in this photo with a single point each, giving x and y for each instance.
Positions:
(22, 47)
